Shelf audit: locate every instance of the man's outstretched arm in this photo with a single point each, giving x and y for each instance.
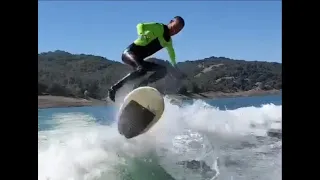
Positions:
(172, 54)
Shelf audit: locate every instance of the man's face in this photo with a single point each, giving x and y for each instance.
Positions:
(175, 27)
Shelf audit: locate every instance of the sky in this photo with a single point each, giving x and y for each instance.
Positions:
(248, 30)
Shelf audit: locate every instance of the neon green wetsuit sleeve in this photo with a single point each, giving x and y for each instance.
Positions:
(171, 53)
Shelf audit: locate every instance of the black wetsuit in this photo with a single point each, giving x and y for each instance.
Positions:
(152, 38)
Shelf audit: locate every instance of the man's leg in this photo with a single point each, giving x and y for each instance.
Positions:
(139, 71)
(159, 72)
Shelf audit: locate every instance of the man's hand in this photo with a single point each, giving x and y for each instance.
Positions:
(177, 73)
(174, 65)
(144, 37)
(147, 36)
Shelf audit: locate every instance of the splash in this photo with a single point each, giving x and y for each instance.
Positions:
(78, 148)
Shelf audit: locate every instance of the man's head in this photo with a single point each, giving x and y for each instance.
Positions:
(176, 25)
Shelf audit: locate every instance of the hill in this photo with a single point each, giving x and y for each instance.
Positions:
(64, 74)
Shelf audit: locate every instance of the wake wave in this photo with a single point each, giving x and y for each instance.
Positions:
(190, 142)
(203, 117)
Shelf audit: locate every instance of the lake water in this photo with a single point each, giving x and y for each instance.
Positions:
(224, 138)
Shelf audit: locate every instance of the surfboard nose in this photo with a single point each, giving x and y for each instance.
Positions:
(134, 120)
(126, 130)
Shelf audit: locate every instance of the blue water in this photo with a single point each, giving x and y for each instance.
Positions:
(234, 103)
(106, 114)
(73, 138)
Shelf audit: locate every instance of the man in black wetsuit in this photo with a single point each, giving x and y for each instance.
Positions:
(152, 38)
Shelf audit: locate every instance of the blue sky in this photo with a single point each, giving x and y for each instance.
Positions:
(249, 30)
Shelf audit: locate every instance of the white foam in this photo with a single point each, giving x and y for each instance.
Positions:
(78, 148)
(202, 117)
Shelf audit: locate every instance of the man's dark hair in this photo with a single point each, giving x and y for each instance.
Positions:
(180, 19)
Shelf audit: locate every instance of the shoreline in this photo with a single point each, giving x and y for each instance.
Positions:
(50, 101)
(218, 95)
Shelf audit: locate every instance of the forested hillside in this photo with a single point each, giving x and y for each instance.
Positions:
(65, 74)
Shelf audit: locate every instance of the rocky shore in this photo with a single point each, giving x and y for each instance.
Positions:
(48, 101)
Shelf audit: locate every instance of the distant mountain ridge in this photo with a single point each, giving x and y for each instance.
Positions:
(65, 74)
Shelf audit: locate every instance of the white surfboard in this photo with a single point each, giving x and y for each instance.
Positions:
(141, 109)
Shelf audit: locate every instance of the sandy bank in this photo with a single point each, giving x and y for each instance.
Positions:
(49, 101)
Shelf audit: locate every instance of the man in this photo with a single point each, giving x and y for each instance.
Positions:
(152, 38)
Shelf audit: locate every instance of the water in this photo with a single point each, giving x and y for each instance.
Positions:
(223, 139)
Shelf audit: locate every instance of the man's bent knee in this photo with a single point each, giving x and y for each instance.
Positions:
(161, 70)
(159, 73)
(128, 58)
